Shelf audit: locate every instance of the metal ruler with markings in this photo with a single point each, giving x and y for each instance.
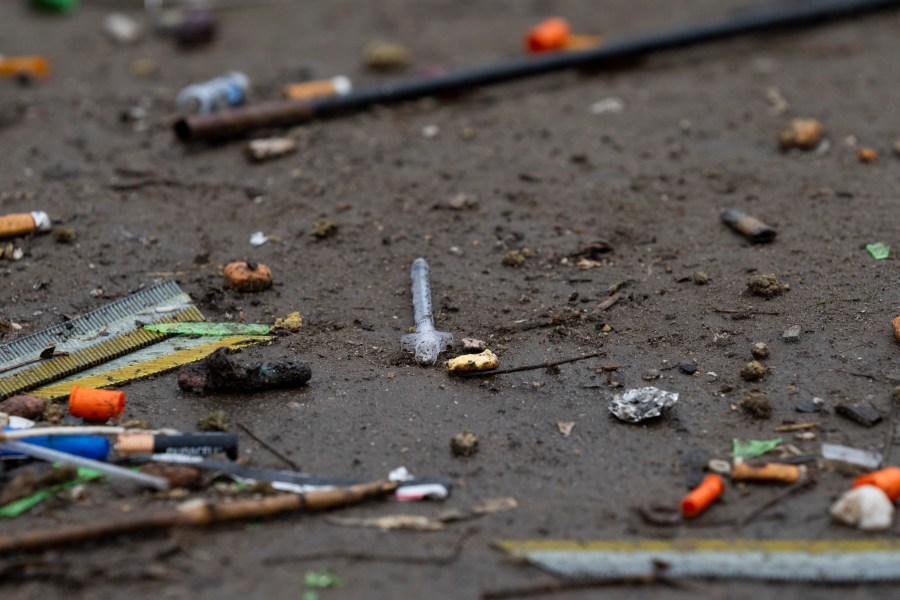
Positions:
(92, 339)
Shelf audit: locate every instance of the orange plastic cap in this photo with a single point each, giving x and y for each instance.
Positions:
(702, 496)
(96, 405)
(887, 480)
(551, 34)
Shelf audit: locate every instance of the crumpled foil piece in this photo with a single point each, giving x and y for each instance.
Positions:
(641, 403)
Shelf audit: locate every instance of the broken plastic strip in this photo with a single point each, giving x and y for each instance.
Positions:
(752, 448)
(878, 250)
(217, 329)
(768, 560)
(22, 505)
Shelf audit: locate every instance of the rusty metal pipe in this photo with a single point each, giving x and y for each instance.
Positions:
(233, 123)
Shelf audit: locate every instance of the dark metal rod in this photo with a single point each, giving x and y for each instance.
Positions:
(236, 122)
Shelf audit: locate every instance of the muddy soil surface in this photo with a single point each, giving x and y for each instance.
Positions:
(696, 134)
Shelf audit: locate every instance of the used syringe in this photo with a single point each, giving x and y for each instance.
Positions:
(426, 342)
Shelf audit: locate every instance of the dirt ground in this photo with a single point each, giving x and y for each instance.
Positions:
(697, 133)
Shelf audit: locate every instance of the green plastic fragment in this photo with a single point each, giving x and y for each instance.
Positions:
(17, 507)
(322, 579)
(221, 329)
(752, 448)
(878, 250)
(63, 6)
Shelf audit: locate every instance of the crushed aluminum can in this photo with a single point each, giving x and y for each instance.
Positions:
(639, 404)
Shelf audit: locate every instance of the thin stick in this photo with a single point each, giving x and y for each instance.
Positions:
(553, 587)
(746, 311)
(546, 365)
(195, 514)
(892, 424)
(31, 361)
(800, 485)
(268, 447)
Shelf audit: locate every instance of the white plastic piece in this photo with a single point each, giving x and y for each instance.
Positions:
(854, 456)
(221, 92)
(865, 507)
(342, 85)
(642, 403)
(258, 239)
(426, 342)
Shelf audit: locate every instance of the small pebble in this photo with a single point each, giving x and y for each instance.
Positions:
(757, 405)
(753, 371)
(760, 350)
(803, 134)
(791, 334)
(514, 258)
(765, 285)
(863, 413)
(717, 465)
(805, 436)
(381, 55)
(807, 406)
(687, 368)
(650, 374)
(464, 443)
(325, 228)
(473, 345)
(64, 235)
(701, 278)
(215, 421)
(867, 155)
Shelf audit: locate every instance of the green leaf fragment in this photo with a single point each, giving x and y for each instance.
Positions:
(221, 329)
(22, 505)
(878, 250)
(752, 448)
(322, 579)
(310, 595)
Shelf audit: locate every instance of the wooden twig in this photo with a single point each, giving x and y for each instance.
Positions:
(269, 447)
(545, 365)
(197, 514)
(800, 485)
(47, 354)
(746, 311)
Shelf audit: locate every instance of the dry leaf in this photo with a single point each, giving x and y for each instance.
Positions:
(565, 427)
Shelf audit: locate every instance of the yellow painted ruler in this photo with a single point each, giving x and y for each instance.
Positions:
(95, 338)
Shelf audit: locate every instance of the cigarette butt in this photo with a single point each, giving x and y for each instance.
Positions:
(767, 472)
(485, 361)
(895, 324)
(887, 480)
(336, 86)
(23, 223)
(29, 66)
(702, 496)
(749, 226)
(579, 41)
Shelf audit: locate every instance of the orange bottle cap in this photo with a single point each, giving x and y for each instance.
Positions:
(96, 405)
(551, 34)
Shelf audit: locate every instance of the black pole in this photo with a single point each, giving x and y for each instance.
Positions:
(236, 122)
